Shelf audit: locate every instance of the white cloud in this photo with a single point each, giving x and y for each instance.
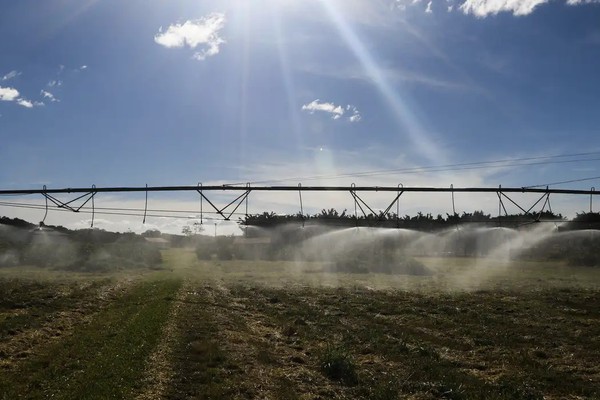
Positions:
(12, 94)
(83, 67)
(12, 74)
(335, 111)
(25, 103)
(193, 33)
(53, 83)
(483, 8)
(28, 103)
(316, 105)
(355, 117)
(8, 94)
(48, 96)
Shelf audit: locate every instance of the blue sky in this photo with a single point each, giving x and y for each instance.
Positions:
(178, 92)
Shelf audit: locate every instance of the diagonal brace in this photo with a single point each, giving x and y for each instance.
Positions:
(221, 211)
(387, 210)
(545, 196)
(67, 205)
(358, 201)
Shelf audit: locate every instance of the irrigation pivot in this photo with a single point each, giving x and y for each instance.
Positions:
(86, 195)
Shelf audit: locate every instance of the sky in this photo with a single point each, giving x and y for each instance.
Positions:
(372, 92)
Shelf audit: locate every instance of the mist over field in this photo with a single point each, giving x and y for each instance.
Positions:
(313, 249)
(302, 308)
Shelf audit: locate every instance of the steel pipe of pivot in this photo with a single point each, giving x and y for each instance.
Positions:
(296, 188)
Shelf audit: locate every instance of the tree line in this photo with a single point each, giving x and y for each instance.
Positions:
(421, 222)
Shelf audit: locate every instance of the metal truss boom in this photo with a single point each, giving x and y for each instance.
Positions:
(86, 195)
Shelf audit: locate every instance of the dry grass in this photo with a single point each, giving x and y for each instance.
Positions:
(289, 331)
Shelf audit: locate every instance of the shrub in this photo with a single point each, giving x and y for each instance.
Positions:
(9, 258)
(224, 248)
(381, 259)
(337, 365)
(205, 249)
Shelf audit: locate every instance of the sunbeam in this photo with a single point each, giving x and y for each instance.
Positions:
(289, 86)
(404, 116)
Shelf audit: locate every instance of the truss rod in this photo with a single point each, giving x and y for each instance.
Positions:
(125, 189)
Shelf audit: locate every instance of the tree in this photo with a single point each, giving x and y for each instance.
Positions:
(198, 228)
(151, 233)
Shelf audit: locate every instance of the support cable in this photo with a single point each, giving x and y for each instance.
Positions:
(46, 213)
(352, 187)
(453, 205)
(499, 205)
(93, 207)
(454, 215)
(145, 206)
(301, 205)
(398, 205)
(546, 203)
(201, 197)
(248, 186)
(526, 161)
(591, 178)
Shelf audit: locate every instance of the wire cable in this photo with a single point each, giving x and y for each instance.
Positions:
(444, 168)
(592, 178)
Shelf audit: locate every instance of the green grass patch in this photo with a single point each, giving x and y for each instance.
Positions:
(27, 304)
(102, 359)
(203, 369)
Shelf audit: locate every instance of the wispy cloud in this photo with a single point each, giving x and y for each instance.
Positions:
(204, 32)
(49, 96)
(577, 2)
(12, 74)
(484, 8)
(54, 83)
(396, 74)
(355, 114)
(336, 111)
(404, 4)
(428, 10)
(8, 94)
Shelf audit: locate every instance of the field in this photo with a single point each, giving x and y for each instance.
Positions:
(277, 330)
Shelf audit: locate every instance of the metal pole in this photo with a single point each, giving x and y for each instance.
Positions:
(352, 188)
